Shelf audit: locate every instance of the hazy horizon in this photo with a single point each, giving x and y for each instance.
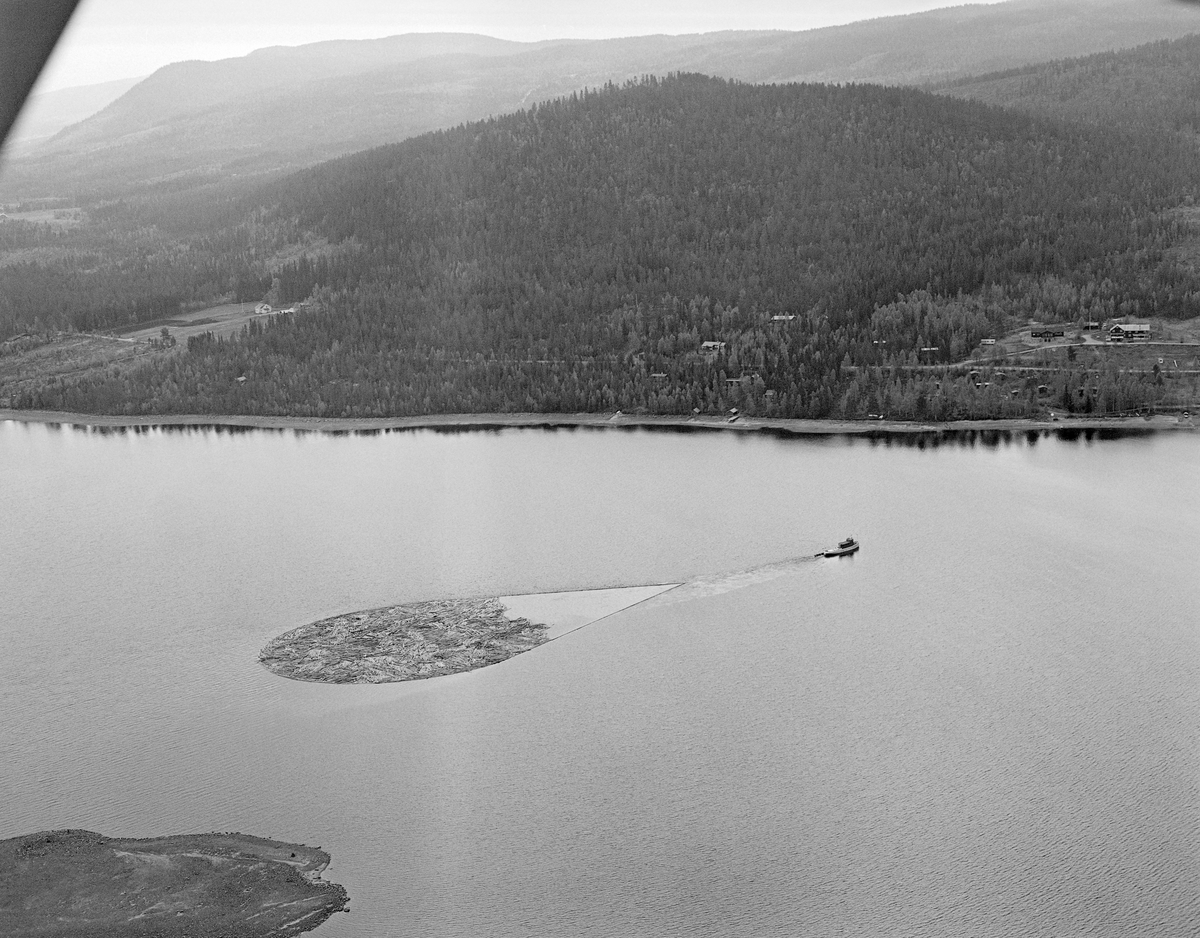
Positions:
(109, 40)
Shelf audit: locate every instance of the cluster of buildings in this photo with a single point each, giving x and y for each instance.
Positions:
(265, 309)
(1117, 332)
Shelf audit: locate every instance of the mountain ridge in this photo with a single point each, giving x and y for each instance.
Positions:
(1152, 87)
(334, 107)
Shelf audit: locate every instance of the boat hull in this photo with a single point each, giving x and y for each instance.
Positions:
(841, 551)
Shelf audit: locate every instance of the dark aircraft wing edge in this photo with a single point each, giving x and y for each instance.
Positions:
(28, 31)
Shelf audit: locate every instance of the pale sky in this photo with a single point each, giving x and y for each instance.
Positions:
(110, 39)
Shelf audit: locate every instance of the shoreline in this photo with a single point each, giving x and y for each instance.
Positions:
(70, 882)
(780, 425)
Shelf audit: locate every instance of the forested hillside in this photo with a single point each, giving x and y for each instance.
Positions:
(830, 244)
(194, 123)
(47, 112)
(132, 262)
(1144, 90)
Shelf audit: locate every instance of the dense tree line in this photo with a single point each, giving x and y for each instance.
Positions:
(138, 260)
(1145, 90)
(578, 255)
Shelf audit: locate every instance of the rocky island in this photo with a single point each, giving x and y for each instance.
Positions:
(76, 883)
(407, 642)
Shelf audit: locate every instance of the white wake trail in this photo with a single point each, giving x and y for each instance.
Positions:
(716, 584)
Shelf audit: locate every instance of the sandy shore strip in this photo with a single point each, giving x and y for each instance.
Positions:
(618, 420)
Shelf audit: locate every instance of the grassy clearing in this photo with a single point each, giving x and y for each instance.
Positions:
(32, 360)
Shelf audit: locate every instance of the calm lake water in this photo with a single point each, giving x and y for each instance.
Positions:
(985, 723)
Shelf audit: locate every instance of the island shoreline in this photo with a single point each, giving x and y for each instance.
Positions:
(70, 883)
(787, 426)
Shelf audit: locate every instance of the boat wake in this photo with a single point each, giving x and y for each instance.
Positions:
(565, 612)
(716, 584)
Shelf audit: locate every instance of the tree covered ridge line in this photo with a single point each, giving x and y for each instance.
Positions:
(1147, 89)
(575, 256)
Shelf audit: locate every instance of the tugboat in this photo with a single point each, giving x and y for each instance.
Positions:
(848, 546)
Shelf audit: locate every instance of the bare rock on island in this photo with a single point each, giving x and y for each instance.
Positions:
(80, 884)
(407, 642)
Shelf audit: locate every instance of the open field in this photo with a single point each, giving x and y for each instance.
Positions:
(1173, 365)
(1134, 356)
(27, 361)
(55, 217)
(1183, 336)
(75, 883)
(220, 320)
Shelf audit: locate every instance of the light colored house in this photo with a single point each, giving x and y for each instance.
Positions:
(1129, 332)
(262, 309)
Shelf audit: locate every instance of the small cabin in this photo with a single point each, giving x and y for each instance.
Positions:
(1129, 332)
(987, 341)
(262, 309)
(1046, 333)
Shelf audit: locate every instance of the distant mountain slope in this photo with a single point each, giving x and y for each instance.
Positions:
(47, 112)
(1154, 86)
(939, 45)
(276, 108)
(190, 88)
(632, 248)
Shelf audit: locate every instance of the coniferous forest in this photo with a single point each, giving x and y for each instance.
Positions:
(668, 246)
